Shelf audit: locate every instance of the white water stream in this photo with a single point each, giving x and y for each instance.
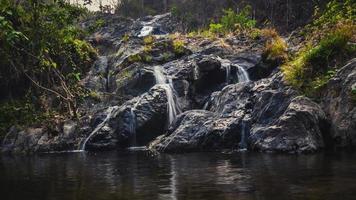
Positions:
(109, 113)
(167, 84)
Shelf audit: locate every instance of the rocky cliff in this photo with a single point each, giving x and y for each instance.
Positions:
(175, 93)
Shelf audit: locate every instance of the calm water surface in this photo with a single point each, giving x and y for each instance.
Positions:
(140, 175)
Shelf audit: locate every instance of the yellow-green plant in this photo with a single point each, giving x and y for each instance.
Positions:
(178, 46)
(134, 58)
(148, 40)
(311, 66)
(275, 50)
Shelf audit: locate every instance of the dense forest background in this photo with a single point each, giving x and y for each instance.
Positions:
(284, 14)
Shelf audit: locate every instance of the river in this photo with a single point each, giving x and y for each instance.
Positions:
(198, 176)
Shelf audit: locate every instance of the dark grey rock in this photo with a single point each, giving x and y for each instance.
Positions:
(339, 103)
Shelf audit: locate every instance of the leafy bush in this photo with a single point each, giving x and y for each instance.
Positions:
(147, 58)
(148, 40)
(96, 25)
(20, 113)
(329, 44)
(234, 21)
(216, 28)
(311, 67)
(178, 46)
(135, 58)
(126, 38)
(43, 50)
(275, 50)
(335, 12)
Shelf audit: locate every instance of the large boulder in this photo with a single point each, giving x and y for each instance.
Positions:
(263, 115)
(298, 129)
(31, 140)
(136, 122)
(339, 103)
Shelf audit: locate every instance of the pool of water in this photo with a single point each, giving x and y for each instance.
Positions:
(209, 176)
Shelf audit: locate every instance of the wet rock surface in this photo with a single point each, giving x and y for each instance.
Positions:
(263, 116)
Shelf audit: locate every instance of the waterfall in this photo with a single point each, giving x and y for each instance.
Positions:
(167, 85)
(145, 31)
(243, 143)
(109, 113)
(132, 127)
(227, 66)
(228, 73)
(242, 74)
(103, 67)
(133, 121)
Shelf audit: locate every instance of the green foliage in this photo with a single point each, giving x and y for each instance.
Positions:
(216, 28)
(311, 68)
(20, 113)
(329, 44)
(126, 38)
(178, 46)
(134, 58)
(96, 25)
(166, 56)
(335, 12)
(353, 92)
(275, 50)
(202, 33)
(94, 95)
(43, 51)
(148, 40)
(147, 58)
(321, 80)
(234, 21)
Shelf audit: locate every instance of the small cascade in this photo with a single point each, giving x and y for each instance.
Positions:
(167, 85)
(145, 31)
(243, 143)
(109, 113)
(242, 74)
(227, 66)
(103, 65)
(132, 126)
(228, 73)
(153, 26)
(196, 72)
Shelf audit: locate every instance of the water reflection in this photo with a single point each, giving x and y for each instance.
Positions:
(140, 175)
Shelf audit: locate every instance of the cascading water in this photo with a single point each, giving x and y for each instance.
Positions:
(132, 126)
(167, 85)
(228, 73)
(242, 74)
(243, 143)
(109, 113)
(152, 27)
(145, 31)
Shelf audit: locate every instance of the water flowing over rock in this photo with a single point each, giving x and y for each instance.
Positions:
(167, 84)
(204, 97)
(109, 113)
(153, 25)
(277, 120)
